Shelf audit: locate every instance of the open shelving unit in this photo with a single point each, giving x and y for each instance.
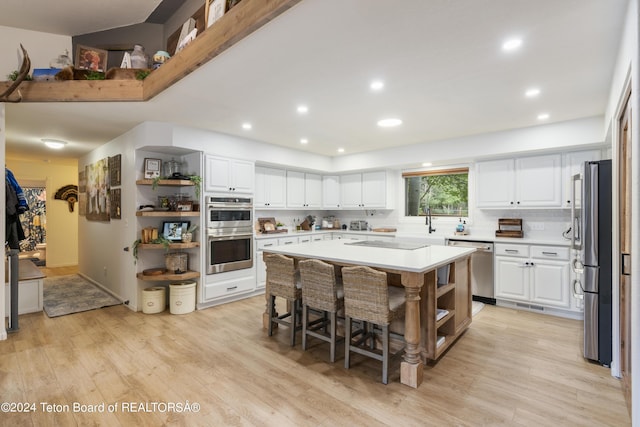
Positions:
(178, 246)
(453, 296)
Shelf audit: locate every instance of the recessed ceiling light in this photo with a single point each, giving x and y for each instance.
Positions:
(340, 150)
(377, 85)
(426, 164)
(533, 92)
(389, 123)
(246, 126)
(512, 44)
(543, 116)
(56, 144)
(302, 109)
(304, 141)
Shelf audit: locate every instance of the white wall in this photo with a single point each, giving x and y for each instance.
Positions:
(101, 245)
(42, 48)
(569, 135)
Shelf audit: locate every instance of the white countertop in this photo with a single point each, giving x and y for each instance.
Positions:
(418, 260)
(481, 237)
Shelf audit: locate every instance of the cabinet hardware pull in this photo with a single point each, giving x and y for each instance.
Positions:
(550, 253)
(288, 243)
(512, 251)
(232, 288)
(268, 244)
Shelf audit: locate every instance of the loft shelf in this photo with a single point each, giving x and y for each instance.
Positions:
(242, 20)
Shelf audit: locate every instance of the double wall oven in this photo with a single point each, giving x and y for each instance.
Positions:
(229, 234)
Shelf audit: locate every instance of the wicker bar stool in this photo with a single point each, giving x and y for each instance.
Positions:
(283, 280)
(367, 297)
(321, 291)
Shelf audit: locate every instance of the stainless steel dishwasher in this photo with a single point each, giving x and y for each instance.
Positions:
(481, 269)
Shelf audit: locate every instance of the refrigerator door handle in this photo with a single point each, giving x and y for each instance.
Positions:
(578, 292)
(575, 215)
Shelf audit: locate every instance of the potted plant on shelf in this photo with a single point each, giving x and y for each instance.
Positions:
(136, 243)
(197, 184)
(187, 236)
(279, 225)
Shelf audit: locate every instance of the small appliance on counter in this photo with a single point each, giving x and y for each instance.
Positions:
(358, 225)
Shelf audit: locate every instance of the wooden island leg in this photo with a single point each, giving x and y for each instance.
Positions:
(411, 368)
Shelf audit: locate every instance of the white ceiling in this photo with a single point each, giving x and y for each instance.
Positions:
(445, 73)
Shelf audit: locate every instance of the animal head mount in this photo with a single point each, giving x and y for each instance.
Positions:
(68, 193)
(22, 74)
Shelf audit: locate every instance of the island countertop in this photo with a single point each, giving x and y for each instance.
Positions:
(418, 260)
(416, 264)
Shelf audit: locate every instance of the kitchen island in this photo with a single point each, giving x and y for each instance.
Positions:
(434, 277)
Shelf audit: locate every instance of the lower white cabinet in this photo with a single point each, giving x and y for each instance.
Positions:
(534, 274)
(223, 286)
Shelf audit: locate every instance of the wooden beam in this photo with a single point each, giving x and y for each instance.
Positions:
(242, 20)
(79, 90)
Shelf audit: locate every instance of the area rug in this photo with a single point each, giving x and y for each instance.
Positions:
(73, 294)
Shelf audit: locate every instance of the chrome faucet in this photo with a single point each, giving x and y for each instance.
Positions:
(429, 221)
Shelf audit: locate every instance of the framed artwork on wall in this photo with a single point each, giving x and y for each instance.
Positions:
(115, 167)
(152, 168)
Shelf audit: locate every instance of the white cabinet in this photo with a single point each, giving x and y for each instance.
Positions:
(495, 183)
(271, 188)
(261, 267)
(523, 182)
(331, 191)
(304, 190)
(538, 181)
(534, 274)
(364, 190)
(573, 165)
(223, 175)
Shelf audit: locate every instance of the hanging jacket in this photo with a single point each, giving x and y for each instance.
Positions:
(22, 200)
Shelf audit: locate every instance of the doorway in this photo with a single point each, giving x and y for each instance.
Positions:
(625, 173)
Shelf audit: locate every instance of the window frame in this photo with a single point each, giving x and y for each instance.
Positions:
(445, 170)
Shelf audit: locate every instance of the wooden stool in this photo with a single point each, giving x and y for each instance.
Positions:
(367, 297)
(283, 281)
(322, 291)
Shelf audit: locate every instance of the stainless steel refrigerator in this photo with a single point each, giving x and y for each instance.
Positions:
(592, 241)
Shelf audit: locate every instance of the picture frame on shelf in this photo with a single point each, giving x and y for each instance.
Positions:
(152, 168)
(173, 230)
(90, 58)
(184, 206)
(214, 10)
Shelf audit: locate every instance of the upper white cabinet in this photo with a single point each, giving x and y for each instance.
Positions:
(228, 175)
(271, 188)
(523, 182)
(573, 163)
(495, 183)
(304, 190)
(331, 192)
(364, 190)
(538, 181)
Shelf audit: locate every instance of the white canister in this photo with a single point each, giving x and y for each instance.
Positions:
(153, 300)
(182, 297)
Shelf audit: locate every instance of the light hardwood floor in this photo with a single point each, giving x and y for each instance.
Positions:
(509, 368)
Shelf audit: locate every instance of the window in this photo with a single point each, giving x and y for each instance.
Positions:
(445, 192)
